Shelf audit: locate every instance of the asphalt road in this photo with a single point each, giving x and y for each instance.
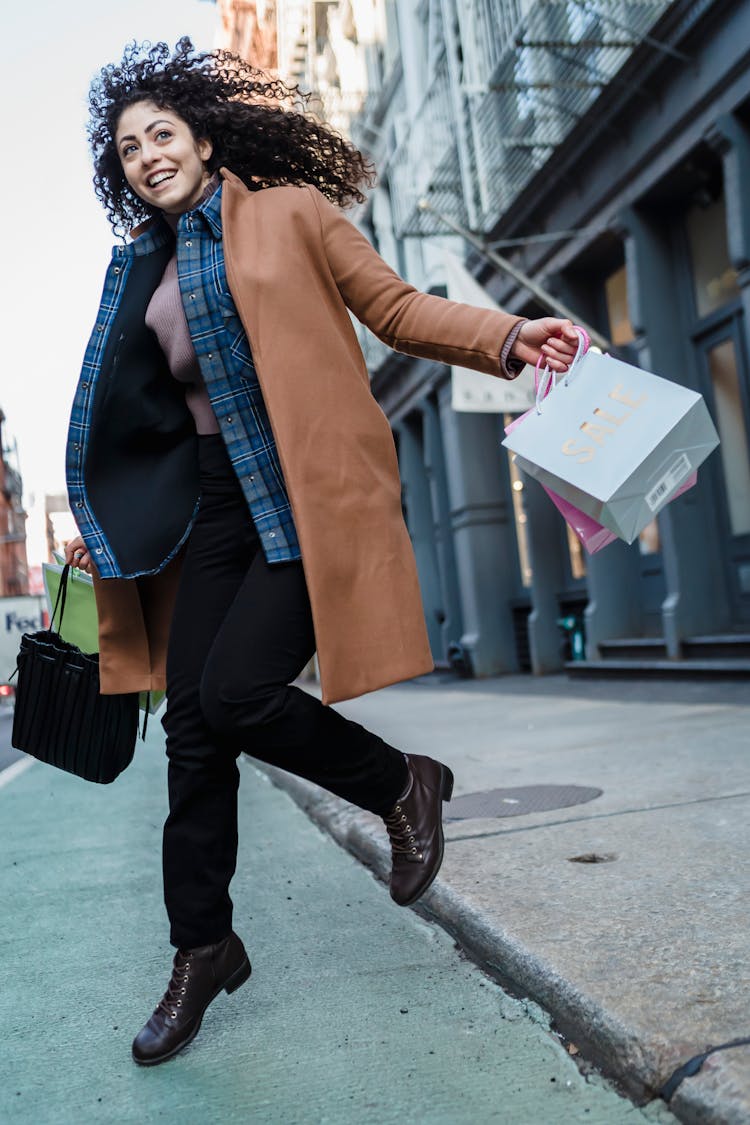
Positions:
(7, 754)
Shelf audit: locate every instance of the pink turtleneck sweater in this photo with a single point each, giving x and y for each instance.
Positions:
(166, 317)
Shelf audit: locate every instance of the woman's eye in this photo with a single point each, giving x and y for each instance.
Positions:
(128, 149)
(163, 134)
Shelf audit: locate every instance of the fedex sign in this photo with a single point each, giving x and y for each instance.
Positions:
(20, 615)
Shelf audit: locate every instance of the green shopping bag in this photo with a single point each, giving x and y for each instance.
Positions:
(80, 625)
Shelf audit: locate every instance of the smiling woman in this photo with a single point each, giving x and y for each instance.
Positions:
(236, 484)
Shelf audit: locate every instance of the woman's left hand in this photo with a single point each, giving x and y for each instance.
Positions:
(554, 339)
(77, 554)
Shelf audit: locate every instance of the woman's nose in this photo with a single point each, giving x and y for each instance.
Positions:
(148, 153)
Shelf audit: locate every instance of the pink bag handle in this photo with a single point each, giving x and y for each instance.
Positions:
(544, 382)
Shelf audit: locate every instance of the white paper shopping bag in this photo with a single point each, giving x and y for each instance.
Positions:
(615, 441)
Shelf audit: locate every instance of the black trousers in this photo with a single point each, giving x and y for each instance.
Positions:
(242, 631)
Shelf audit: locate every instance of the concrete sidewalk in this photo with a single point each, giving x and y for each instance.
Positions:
(357, 1012)
(642, 954)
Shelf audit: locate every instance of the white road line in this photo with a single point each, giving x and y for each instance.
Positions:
(14, 771)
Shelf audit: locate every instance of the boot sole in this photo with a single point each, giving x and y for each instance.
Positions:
(446, 792)
(231, 985)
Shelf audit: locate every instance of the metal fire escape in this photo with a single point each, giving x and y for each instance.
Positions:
(509, 81)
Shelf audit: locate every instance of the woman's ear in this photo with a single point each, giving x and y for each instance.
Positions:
(205, 149)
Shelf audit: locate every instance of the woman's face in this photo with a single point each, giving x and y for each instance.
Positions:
(162, 161)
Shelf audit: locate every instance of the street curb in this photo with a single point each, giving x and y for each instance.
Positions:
(602, 1038)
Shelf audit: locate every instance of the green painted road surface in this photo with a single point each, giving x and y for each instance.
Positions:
(357, 1011)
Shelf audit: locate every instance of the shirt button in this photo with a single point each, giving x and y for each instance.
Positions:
(100, 327)
(79, 503)
(229, 420)
(76, 445)
(192, 296)
(188, 242)
(84, 385)
(251, 479)
(99, 550)
(210, 355)
(272, 535)
(116, 269)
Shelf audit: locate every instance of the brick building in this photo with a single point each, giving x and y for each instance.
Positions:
(14, 578)
(248, 27)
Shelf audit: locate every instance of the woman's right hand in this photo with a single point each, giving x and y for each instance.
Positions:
(76, 553)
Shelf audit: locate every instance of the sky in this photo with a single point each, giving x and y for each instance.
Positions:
(55, 239)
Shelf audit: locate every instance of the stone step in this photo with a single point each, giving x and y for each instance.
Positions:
(663, 669)
(726, 645)
(719, 646)
(634, 648)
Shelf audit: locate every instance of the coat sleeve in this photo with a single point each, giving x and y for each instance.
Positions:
(419, 324)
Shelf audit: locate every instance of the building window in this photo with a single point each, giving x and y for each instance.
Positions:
(519, 516)
(714, 278)
(616, 293)
(577, 554)
(730, 422)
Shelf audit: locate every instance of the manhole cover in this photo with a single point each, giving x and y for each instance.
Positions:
(519, 801)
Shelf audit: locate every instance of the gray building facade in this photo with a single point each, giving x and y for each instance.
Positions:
(605, 149)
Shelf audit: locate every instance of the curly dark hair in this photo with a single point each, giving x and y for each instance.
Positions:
(259, 126)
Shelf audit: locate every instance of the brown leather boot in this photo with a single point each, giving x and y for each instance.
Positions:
(416, 828)
(198, 977)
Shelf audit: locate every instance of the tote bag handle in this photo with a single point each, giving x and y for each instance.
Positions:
(545, 380)
(62, 593)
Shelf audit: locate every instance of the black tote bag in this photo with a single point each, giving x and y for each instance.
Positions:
(60, 717)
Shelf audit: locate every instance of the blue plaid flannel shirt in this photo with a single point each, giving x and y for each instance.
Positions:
(226, 364)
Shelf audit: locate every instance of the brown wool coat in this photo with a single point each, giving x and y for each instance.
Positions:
(294, 265)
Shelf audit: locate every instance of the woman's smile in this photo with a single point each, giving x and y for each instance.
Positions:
(158, 179)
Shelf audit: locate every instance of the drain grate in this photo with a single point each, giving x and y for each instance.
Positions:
(520, 801)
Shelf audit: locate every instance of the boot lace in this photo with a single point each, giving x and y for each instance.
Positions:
(177, 987)
(400, 833)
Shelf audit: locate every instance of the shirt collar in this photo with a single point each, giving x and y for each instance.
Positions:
(145, 239)
(209, 208)
(155, 232)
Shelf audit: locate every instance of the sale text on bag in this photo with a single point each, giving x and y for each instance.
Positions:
(600, 430)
